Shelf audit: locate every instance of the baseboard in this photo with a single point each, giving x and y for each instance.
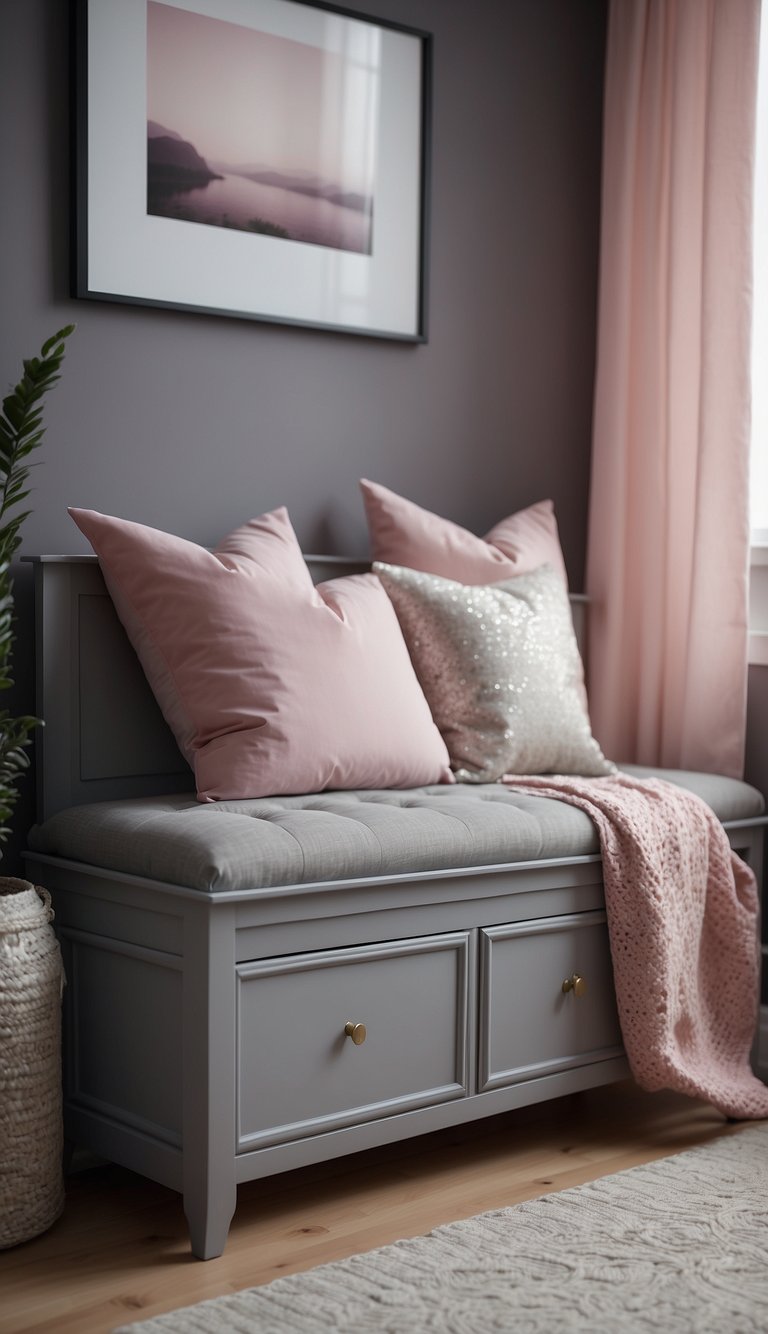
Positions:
(82, 1160)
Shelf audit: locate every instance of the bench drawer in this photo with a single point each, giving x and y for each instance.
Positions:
(530, 1026)
(300, 1074)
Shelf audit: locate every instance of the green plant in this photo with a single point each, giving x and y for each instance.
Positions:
(21, 431)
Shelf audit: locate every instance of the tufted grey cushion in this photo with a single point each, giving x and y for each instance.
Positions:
(231, 845)
(729, 798)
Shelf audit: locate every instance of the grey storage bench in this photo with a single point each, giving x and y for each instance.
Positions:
(258, 985)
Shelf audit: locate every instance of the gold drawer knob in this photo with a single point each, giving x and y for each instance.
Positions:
(576, 984)
(357, 1032)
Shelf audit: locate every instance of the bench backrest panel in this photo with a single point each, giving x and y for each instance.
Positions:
(104, 735)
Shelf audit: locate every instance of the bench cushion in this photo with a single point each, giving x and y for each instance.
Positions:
(243, 845)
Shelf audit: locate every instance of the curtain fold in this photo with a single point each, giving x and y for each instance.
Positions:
(667, 563)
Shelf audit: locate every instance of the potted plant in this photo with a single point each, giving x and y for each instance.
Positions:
(31, 977)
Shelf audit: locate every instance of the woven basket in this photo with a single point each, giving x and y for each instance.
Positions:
(31, 981)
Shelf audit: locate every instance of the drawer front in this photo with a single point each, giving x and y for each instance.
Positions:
(300, 1074)
(529, 1026)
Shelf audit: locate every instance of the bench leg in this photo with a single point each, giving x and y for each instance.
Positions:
(208, 1083)
(209, 1208)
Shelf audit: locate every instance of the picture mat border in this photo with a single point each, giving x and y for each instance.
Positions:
(80, 277)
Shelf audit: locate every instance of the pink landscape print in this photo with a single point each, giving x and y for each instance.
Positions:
(259, 133)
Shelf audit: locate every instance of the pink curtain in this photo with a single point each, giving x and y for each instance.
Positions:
(669, 525)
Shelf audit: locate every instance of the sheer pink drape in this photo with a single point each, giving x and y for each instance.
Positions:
(669, 527)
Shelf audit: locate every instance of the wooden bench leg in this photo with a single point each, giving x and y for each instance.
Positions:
(209, 1208)
(208, 1111)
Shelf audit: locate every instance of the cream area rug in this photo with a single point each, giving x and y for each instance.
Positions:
(676, 1245)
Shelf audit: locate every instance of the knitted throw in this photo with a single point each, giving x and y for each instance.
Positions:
(682, 913)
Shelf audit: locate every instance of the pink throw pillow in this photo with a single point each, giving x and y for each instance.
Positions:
(269, 684)
(405, 534)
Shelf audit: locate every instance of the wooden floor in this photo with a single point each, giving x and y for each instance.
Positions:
(120, 1253)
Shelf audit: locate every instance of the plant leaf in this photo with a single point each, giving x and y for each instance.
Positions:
(21, 431)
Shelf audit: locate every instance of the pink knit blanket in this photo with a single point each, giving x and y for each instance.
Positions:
(682, 913)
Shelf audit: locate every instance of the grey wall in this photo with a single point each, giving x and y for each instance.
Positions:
(194, 423)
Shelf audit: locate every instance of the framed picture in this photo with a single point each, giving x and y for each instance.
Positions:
(266, 159)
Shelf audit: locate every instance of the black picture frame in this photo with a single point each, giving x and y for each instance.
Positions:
(324, 251)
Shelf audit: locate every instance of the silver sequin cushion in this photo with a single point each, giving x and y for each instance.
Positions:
(501, 670)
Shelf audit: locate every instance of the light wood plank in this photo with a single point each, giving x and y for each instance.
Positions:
(121, 1252)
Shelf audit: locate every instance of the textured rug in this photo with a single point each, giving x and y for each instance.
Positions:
(676, 1245)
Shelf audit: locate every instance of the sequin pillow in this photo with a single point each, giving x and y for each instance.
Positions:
(501, 670)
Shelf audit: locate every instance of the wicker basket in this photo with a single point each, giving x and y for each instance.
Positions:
(31, 981)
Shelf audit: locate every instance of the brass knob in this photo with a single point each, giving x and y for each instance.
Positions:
(576, 984)
(356, 1032)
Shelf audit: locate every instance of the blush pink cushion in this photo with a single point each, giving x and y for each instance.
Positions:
(269, 684)
(404, 534)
